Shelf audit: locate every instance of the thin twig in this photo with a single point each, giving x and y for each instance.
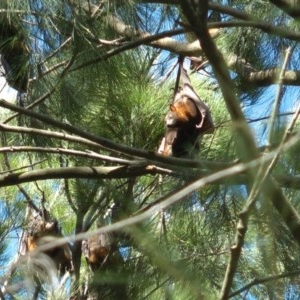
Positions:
(241, 230)
(23, 167)
(148, 39)
(258, 281)
(69, 197)
(242, 224)
(61, 46)
(283, 140)
(28, 199)
(264, 26)
(51, 69)
(278, 96)
(86, 154)
(49, 133)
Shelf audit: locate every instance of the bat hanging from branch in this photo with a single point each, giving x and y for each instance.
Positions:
(187, 118)
(41, 229)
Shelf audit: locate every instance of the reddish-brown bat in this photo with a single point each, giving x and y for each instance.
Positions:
(187, 118)
(41, 229)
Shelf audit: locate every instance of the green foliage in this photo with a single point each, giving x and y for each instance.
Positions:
(178, 252)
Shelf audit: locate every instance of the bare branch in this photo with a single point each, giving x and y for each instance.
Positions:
(163, 43)
(139, 42)
(248, 73)
(169, 2)
(49, 133)
(80, 172)
(86, 154)
(263, 173)
(204, 167)
(276, 105)
(270, 76)
(258, 281)
(284, 181)
(291, 7)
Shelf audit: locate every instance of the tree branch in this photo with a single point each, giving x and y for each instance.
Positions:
(263, 172)
(269, 77)
(86, 154)
(263, 280)
(262, 78)
(292, 182)
(204, 167)
(163, 41)
(291, 7)
(278, 98)
(164, 203)
(49, 133)
(160, 204)
(47, 94)
(80, 172)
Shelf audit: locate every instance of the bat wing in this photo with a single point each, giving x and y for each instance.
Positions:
(206, 124)
(23, 247)
(166, 144)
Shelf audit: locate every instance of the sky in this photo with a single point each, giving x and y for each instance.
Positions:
(6, 92)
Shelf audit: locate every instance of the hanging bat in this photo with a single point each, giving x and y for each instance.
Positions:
(187, 118)
(187, 92)
(40, 230)
(100, 252)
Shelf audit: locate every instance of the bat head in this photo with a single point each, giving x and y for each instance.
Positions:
(182, 112)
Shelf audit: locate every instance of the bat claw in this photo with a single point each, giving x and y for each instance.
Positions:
(200, 124)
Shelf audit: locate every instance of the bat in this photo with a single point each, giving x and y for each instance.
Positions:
(206, 123)
(187, 118)
(40, 230)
